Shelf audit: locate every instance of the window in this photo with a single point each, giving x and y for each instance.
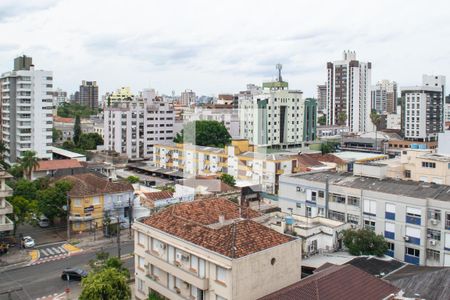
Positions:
(412, 252)
(313, 196)
(370, 207)
(390, 211)
(434, 234)
(335, 215)
(369, 224)
(321, 211)
(141, 262)
(322, 194)
(221, 274)
(353, 219)
(426, 164)
(433, 255)
(353, 201)
(77, 202)
(434, 214)
(142, 239)
(391, 246)
(413, 215)
(407, 174)
(337, 198)
(96, 200)
(298, 205)
(308, 211)
(140, 285)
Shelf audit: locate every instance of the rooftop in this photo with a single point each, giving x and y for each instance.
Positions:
(407, 188)
(435, 157)
(358, 156)
(89, 184)
(198, 222)
(337, 282)
(59, 164)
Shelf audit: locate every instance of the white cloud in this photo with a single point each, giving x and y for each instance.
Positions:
(214, 47)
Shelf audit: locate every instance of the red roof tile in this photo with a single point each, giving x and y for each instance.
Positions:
(336, 283)
(326, 158)
(236, 238)
(47, 165)
(63, 120)
(151, 197)
(89, 184)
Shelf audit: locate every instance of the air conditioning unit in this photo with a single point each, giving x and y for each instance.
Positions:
(434, 221)
(406, 238)
(300, 189)
(433, 242)
(163, 246)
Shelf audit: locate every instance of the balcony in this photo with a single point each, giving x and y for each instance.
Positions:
(6, 192)
(161, 289)
(201, 283)
(6, 209)
(8, 226)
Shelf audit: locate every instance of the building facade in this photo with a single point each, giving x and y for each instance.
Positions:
(322, 97)
(422, 113)
(348, 93)
(278, 116)
(6, 224)
(186, 251)
(384, 97)
(187, 98)
(133, 126)
(26, 105)
(59, 97)
(89, 94)
(413, 217)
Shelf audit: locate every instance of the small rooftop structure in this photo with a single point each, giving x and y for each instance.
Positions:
(66, 154)
(59, 164)
(337, 282)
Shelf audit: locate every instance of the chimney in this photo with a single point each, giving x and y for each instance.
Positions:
(221, 219)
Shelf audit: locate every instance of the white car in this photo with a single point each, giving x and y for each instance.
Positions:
(28, 242)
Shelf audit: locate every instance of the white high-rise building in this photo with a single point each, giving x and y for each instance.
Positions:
(26, 105)
(348, 93)
(187, 98)
(277, 116)
(133, 126)
(384, 96)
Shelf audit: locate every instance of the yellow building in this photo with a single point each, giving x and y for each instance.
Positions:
(121, 94)
(92, 198)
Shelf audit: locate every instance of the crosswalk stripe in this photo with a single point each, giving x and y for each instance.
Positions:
(50, 251)
(57, 251)
(44, 252)
(62, 249)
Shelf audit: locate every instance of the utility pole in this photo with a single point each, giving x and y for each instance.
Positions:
(118, 234)
(68, 217)
(130, 218)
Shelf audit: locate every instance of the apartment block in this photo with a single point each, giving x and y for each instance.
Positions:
(348, 93)
(277, 116)
(414, 217)
(238, 160)
(133, 126)
(6, 224)
(89, 94)
(26, 106)
(322, 97)
(187, 98)
(213, 250)
(384, 97)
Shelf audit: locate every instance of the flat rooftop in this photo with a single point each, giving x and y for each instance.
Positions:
(388, 185)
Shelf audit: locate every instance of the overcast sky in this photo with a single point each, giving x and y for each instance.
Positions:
(219, 46)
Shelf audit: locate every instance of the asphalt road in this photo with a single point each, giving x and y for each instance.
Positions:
(44, 279)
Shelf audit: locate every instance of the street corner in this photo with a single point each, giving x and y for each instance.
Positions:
(34, 254)
(71, 249)
(54, 297)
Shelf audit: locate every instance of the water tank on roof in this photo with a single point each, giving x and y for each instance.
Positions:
(422, 146)
(289, 220)
(414, 146)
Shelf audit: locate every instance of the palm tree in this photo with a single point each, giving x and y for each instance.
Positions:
(2, 149)
(375, 118)
(29, 162)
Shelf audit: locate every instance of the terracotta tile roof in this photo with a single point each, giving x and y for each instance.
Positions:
(150, 197)
(63, 120)
(89, 184)
(326, 158)
(236, 238)
(336, 283)
(306, 162)
(46, 165)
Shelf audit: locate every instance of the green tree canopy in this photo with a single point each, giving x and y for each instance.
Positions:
(204, 133)
(228, 179)
(364, 242)
(322, 120)
(71, 110)
(29, 161)
(90, 141)
(132, 179)
(52, 199)
(106, 284)
(23, 210)
(77, 130)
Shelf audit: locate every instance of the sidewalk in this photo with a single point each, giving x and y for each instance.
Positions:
(15, 256)
(88, 242)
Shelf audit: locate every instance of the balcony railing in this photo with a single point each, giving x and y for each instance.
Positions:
(8, 226)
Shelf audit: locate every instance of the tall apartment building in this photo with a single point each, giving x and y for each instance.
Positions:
(59, 97)
(5, 207)
(26, 105)
(423, 109)
(132, 127)
(89, 94)
(277, 116)
(187, 98)
(413, 217)
(212, 249)
(322, 97)
(348, 93)
(384, 97)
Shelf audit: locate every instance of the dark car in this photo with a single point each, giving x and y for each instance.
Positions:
(73, 274)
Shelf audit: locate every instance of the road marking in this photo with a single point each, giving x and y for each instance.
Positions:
(57, 251)
(50, 251)
(44, 252)
(62, 249)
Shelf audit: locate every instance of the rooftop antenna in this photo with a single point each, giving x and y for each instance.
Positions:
(279, 68)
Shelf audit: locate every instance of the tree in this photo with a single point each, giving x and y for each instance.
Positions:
(132, 179)
(169, 188)
(106, 284)
(25, 188)
(228, 179)
(89, 141)
(204, 133)
(103, 261)
(71, 110)
(154, 296)
(52, 199)
(342, 118)
(56, 135)
(2, 149)
(376, 120)
(327, 148)
(322, 120)
(29, 162)
(23, 210)
(16, 171)
(364, 242)
(77, 131)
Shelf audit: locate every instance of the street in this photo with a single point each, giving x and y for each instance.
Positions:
(44, 279)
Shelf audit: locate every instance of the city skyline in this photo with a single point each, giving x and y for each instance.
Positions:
(219, 49)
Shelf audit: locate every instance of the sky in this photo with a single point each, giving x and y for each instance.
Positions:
(217, 47)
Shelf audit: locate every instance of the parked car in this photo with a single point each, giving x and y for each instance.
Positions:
(73, 274)
(28, 242)
(43, 221)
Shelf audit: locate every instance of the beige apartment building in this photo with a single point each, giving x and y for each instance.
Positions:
(5, 207)
(420, 165)
(211, 249)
